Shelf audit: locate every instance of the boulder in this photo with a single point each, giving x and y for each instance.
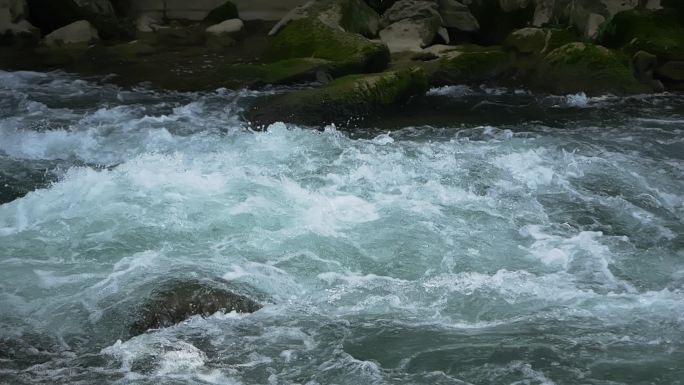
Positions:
(410, 34)
(497, 19)
(226, 27)
(410, 9)
(227, 11)
(527, 40)
(644, 65)
(469, 65)
(49, 15)
(282, 72)
(580, 67)
(657, 32)
(178, 300)
(458, 16)
(80, 33)
(349, 15)
(311, 38)
(410, 25)
(13, 21)
(343, 99)
(672, 71)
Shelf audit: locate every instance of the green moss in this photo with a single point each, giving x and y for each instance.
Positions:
(657, 32)
(281, 72)
(225, 12)
(345, 98)
(309, 38)
(577, 67)
(472, 66)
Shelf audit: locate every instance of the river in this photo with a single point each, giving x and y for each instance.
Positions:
(510, 238)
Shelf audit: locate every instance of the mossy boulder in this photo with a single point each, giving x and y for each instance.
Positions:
(472, 64)
(222, 13)
(580, 67)
(348, 98)
(658, 32)
(534, 41)
(282, 72)
(353, 16)
(311, 38)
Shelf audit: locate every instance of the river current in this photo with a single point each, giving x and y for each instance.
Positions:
(532, 240)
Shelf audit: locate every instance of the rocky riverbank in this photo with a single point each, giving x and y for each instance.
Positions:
(360, 56)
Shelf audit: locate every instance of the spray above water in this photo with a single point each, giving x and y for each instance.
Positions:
(484, 253)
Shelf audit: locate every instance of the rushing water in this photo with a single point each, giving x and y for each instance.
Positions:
(533, 240)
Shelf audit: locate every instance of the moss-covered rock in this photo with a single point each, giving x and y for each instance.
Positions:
(580, 67)
(225, 12)
(472, 64)
(310, 38)
(353, 16)
(281, 72)
(348, 98)
(658, 32)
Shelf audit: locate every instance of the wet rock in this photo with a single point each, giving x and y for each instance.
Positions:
(580, 67)
(342, 100)
(178, 300)
(311, 38)
(79, 33)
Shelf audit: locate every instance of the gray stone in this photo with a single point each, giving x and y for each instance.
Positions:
(13, 20)
(77, 33)
(226, 27)
(457, 15)
(410, 34)
(410, 9)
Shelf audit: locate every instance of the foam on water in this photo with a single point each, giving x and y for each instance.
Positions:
(531, 255)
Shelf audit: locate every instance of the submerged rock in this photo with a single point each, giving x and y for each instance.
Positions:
(348, 98)
(178, 300)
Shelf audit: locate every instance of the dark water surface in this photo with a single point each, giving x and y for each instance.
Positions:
(485, 236)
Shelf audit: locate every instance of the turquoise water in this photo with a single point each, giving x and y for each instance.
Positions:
(533, 240)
